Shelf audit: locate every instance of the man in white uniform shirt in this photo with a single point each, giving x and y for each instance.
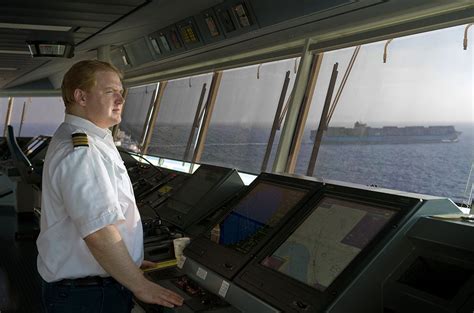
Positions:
(90, 248)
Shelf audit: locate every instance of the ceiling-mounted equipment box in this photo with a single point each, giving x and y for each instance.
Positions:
(138, 52)
(50, 49)
(120, 59)
(211, 29)
(189, 33)
(156, 48)
(236, 17)
(166, 41)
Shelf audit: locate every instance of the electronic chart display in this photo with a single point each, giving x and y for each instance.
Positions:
(328, 240)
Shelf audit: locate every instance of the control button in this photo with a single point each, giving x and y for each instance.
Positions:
(301, 305)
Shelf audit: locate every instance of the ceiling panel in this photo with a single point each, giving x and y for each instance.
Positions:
(84, 18)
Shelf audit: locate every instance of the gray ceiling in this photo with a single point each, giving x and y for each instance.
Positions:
(85, 18)
(92, 23)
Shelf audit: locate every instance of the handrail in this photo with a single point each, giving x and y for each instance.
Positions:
(465, 35)
(385, 48)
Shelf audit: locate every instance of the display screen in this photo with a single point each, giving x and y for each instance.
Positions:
(328, 240)
(188, 34)
(255, 215)
(195, 187)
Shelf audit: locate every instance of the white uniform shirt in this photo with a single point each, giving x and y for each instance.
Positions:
(84, 189)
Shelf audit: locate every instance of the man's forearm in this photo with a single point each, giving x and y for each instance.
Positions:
(108, 248)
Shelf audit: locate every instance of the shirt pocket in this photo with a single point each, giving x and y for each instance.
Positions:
(123, 182)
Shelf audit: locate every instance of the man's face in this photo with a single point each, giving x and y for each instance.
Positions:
(103, 103)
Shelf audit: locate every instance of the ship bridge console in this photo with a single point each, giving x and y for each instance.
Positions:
(174, 204)
(288, 244)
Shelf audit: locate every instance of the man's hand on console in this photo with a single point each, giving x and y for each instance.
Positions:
(155, 294)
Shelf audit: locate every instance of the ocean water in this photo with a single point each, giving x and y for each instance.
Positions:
(440, 169)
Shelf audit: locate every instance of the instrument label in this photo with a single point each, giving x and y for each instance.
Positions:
(201, 273)
(224, 288)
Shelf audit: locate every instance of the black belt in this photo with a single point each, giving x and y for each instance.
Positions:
(87, 281)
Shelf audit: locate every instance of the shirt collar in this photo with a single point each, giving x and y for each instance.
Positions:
(87, 125)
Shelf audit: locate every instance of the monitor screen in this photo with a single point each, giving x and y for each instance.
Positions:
(328, 240)
(196, 187)
(255, 215)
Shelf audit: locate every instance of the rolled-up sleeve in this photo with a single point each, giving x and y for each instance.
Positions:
(87, 186)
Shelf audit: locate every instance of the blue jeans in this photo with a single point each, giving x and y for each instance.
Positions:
(106, 298)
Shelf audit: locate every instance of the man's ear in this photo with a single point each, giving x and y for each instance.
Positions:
(80, 97)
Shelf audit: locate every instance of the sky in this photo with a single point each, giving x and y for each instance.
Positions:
(428, 78)
(42, 114)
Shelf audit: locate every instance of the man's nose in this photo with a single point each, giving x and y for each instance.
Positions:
(120, 98)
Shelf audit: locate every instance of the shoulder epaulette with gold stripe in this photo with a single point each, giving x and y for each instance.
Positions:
(80, 140)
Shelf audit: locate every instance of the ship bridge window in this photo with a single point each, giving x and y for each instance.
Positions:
(174, 124)
(134, 116)
(243, 115)
(406, 124)
(33, 116)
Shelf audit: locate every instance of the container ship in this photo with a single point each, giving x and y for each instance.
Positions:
(363, 134)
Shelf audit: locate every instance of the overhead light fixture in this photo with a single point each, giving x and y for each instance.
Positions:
(13, 52)
(8, 68)
(36, 27)
(51, 49)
